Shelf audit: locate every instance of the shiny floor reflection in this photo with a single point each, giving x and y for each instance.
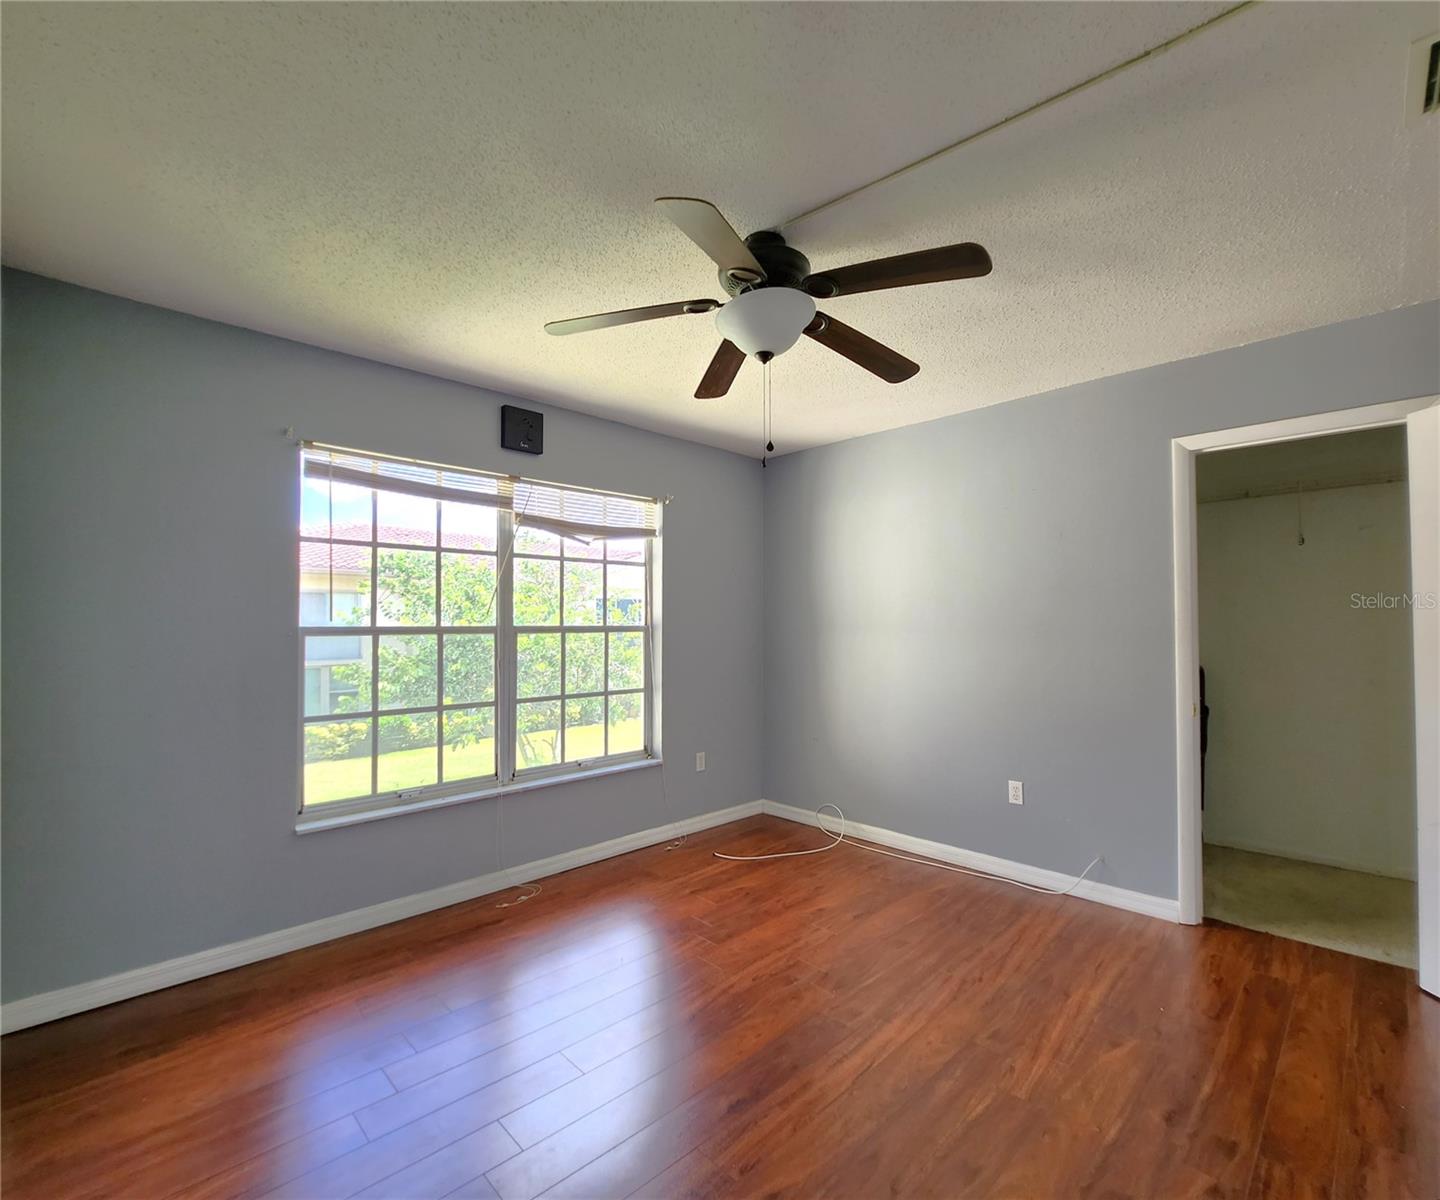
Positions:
(665, 1024)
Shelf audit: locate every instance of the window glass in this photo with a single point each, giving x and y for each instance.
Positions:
(407, 753)
(467, 526)
(469, 743)
(467, 589)
(469, 667)
(337, 675)
(337, 760)
(406, 519)
(626, 723)
(624, 595)
(443, 646)
(537, 734)
(405, 587)
(537, 591)
(334, 584)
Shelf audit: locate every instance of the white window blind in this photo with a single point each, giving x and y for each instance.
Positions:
(581, 513)
(587, 515)
(408, 477)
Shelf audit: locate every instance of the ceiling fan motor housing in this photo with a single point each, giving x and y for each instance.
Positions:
(784, 265)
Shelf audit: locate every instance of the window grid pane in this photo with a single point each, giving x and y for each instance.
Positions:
(625, 721)
(581, 594)
(584, 728)
(468, 674)
(405, 752)
(537, 734)
(584, 663)
(469, 743)
(337, 761)
(468, 584)
(337, 675)
(400, 638)
(392, 678)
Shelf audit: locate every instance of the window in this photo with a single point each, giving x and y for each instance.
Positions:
(459, 629)
(580, 634)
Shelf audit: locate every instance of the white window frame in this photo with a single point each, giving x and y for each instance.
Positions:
(508, 776)
(513, 632)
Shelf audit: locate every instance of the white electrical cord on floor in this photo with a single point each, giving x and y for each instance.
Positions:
(924, 862)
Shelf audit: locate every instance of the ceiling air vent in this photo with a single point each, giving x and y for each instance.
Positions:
(1422, 95)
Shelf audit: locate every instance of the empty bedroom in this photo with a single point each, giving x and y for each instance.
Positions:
(719, 600)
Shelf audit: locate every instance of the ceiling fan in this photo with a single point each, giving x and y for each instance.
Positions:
(774, 294)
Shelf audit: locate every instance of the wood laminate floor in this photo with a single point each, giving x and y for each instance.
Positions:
(667, 1024)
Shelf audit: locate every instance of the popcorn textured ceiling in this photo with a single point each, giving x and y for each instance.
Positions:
(426, 185)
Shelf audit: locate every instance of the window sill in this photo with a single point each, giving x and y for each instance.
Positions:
(316, 822)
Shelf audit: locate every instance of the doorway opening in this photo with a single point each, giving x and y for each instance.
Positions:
(1307, 792)
(1312, 538)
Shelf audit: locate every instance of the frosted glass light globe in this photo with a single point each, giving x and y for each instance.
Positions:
(767, 320)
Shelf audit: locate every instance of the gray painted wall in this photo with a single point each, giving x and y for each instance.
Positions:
(989, 597)
(1312, 713)
(149, 639)
(913, 662)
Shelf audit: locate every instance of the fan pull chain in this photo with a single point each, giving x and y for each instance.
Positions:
(767, 423)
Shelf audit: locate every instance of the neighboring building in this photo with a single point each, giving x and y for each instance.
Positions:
(329, 593)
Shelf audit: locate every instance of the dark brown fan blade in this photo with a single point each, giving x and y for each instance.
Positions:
(963, 261)
(704, 224)
(861, 350)
(628, 316)
(720, 374)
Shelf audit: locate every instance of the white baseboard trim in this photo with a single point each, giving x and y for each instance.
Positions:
(1101, 893)
(63, 1002)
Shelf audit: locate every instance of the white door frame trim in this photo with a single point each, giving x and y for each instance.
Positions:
(1187, 648)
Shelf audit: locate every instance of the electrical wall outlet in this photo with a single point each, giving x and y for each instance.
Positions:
(700, 761)
(1017, 792)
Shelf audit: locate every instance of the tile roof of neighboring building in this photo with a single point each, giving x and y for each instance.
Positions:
(355, 560)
